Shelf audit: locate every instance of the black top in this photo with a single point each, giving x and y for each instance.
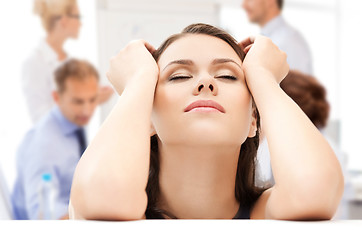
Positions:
(243, 213)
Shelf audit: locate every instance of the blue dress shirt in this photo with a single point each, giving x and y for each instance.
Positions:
(50, 147)
(291, 41)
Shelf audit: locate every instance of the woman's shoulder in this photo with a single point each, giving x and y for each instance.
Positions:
(41, 54)
(34, 60)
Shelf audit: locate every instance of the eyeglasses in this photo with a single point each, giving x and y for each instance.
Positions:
(76, 16)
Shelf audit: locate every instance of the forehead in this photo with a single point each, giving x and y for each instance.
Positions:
(255, 1)
(81, 85)
(199, 48)
(75, 9)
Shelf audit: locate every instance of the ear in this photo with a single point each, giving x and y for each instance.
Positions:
(152, 130)
(55, 96)
(253, 126)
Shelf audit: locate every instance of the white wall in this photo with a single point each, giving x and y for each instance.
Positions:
(350, 85)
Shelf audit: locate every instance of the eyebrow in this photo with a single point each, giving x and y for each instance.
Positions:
(224, 60)
(181, 62)
(190, 62)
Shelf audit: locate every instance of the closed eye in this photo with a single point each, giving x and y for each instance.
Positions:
(180, 77)
(229, 77)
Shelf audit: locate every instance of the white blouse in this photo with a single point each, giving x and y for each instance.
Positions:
(37, 80)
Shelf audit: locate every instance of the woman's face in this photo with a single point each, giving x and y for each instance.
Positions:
(201, 97)
(74, 23)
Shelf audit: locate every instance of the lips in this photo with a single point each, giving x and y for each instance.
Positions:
(205, 104)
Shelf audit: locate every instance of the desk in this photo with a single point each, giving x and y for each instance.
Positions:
(181, 229)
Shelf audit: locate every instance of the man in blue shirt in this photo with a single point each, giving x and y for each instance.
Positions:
(268, 15)
(56, 142)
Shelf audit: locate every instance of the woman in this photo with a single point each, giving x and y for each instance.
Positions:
(61, 21)
(197, 101)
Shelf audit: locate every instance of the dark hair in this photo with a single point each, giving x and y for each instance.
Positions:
(73, 68)
(245, 190)
(280, 4)
(309, 94)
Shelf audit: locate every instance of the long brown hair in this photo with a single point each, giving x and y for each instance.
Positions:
(245, 190)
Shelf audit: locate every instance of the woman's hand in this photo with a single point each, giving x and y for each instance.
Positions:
(263, 56)
(130, 63)
(104, 94)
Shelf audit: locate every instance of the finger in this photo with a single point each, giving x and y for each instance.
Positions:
(246, 42)
(108, 75)
(105, 88)
(149, 47)
(246, 50)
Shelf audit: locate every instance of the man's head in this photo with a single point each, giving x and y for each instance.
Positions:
(77, 89)
(261, 11)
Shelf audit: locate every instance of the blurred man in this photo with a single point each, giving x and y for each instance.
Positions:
(53, 147)
(267, 14)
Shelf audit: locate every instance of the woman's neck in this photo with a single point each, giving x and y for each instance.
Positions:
(56, 42)
(198, 182)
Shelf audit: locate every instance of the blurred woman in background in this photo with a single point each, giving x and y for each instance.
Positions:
(61, 21)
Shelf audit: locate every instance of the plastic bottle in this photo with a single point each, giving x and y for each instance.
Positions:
(47, 195)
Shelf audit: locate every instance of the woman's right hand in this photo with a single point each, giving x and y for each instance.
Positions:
(131, 64)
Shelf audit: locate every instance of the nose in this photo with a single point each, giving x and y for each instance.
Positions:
(205, 85)
(88, 108)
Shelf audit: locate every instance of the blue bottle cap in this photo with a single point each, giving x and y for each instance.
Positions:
(47, 177)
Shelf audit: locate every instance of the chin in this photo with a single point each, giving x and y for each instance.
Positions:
(75, 37)
(253, 20)
(208, 137)
(81, 123)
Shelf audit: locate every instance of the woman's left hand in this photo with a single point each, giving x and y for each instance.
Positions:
(263, 56)
(104, 94)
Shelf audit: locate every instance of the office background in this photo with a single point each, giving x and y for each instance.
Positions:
(331, 28)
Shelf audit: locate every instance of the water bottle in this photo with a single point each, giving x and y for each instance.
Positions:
(47, 196)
